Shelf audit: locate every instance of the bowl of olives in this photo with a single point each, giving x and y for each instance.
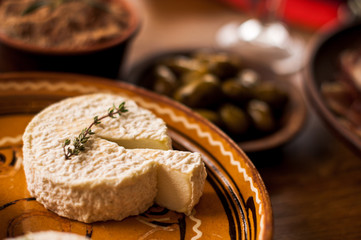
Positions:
(247, 101)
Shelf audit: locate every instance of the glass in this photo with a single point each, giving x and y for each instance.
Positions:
(264, 38)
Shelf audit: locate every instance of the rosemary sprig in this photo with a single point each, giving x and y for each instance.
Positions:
(78, 142)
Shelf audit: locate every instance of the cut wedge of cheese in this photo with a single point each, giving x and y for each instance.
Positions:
(127, 166)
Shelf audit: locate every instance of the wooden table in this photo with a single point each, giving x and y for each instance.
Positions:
(315, 181)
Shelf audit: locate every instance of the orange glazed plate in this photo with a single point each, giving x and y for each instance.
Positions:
(235, 203)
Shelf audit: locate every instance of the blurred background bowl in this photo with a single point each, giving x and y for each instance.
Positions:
(290, 122)
(101, 59)
(324, 68)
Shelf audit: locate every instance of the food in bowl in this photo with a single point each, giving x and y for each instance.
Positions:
(62, 23)
(87, 163)
(217, 85)
(79, 36)
(343, 94)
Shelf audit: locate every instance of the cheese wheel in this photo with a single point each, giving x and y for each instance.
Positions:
(127, 166)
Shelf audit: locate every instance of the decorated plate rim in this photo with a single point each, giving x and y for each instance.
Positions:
(52, 82)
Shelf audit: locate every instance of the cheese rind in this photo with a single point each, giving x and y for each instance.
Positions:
(108, 181)
(68, 117)
(180, 178)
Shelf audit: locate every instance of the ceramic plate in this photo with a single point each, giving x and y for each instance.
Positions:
(235, 204)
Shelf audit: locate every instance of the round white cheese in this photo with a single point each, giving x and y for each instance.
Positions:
(126, 167)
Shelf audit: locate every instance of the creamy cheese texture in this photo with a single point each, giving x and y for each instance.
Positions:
(49, 235)
(127, 166)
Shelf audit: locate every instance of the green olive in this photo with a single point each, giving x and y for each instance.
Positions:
(165, 81)
(201, 92)
(210, 115)
(223, 68)
(191, 76)
(234, 118)
(261, 116)
(273, 95)
(235, 91)
(221, 64)
(183, 64)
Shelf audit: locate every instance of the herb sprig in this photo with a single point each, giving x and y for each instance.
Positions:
(78, 142)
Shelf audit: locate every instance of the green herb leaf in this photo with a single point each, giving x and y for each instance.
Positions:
(67, 142)
(78, 142)
(96, 120)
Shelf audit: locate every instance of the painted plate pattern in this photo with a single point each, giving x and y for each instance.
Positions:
(235, 203)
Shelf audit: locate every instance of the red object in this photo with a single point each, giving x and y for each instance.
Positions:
(312, 14)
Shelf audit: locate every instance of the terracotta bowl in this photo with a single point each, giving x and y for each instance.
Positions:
(235, 203)
(324, 67)
(293, 118)
(103, 59)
